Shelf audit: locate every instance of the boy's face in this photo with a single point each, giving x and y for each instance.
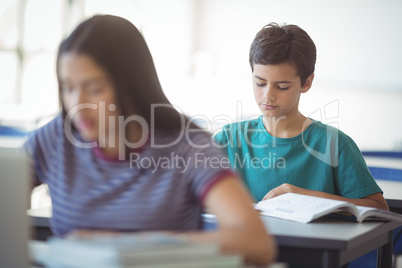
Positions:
(277, 89)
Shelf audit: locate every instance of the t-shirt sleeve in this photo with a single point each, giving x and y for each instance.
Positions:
(40, 147)
(220, 138)
(208, 165)
(31, 149)
(352, 176)
(223, 140)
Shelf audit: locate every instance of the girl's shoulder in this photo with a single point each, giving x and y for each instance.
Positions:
(54, 126)
(45, 136)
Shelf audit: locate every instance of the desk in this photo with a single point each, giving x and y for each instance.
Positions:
(331, 243)
(392, 193)
(384, 162)
(325, 243)
(39, 219)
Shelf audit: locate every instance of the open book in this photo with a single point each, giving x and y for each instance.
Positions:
(305, 208)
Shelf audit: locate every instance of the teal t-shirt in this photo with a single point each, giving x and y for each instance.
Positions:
(321, 158)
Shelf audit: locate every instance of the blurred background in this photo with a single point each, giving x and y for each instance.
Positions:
(200, 49)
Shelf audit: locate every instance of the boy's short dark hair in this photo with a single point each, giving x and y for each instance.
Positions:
(276, 44)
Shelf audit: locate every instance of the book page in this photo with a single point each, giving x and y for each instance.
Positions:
(369, 213)
(298, 207)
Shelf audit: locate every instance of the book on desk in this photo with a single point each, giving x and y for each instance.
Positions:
(304, 209)
(130, 250)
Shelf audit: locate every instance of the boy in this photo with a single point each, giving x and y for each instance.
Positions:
(282, 150)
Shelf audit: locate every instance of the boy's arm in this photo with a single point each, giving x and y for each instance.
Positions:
(374, 200)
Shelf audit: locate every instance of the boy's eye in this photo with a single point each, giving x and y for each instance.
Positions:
(282, 88)
(259, 85)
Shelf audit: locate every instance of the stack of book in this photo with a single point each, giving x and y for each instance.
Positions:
(131, 250)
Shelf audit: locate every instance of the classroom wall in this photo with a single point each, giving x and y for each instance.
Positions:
(358, 70)
(200, 49)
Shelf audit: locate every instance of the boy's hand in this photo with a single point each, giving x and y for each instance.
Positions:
(285, 188)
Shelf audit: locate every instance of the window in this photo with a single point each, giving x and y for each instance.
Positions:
(29, 36)
(30, 33)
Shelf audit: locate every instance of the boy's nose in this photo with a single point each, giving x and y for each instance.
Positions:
(269, 93)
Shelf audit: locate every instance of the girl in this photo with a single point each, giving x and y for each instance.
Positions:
(120, 158)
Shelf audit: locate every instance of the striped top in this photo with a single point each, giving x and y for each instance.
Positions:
(154, 189)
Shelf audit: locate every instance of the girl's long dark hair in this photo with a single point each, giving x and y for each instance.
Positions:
(117, 46)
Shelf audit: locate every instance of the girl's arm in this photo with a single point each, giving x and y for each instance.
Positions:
(374, 200)
(240, 228)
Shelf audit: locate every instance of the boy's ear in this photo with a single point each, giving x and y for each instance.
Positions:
(307, 85)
